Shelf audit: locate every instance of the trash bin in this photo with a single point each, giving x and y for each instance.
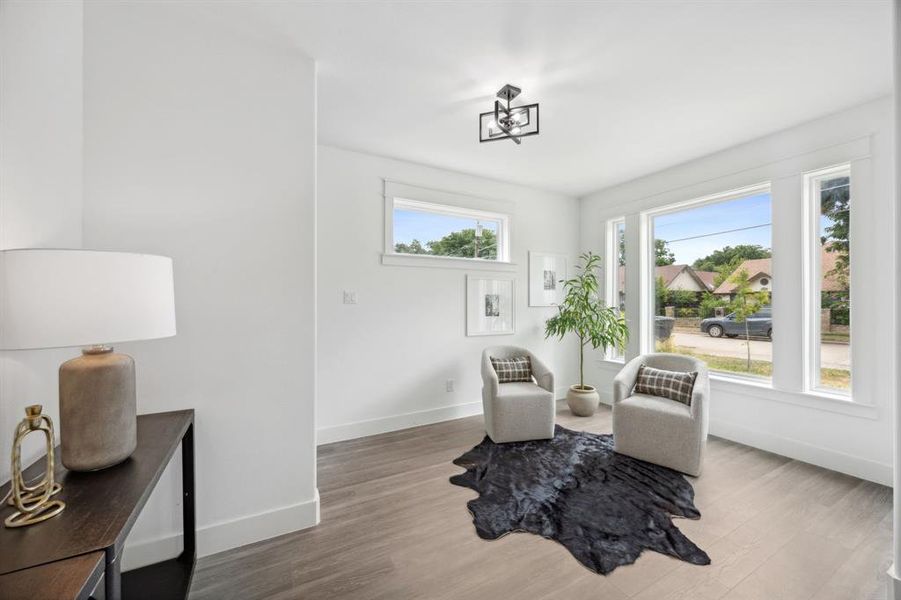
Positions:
(663, 327)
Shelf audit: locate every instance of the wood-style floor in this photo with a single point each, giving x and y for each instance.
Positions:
(393, 528)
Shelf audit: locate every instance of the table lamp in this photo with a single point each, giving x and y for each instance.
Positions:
(69, 298)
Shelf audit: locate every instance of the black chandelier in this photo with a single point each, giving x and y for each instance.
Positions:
(507, 122)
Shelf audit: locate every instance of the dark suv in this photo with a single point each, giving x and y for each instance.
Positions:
(759, 324)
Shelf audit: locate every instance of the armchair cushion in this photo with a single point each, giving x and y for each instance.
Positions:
(675, 385)
(658, 405)
(521, 391)
(514, 369)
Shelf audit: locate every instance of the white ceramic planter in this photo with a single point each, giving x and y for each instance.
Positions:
(583, 402)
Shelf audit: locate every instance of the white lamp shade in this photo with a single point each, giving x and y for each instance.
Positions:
(59, 298)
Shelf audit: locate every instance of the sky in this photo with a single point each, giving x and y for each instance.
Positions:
(709, 221)
(715, 219)
(427, 227)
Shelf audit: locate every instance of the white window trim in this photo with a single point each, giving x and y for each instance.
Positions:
(812, 282)
(734, 194)
(611, 291)
(785, 173)
(390, 257)
(648, 263)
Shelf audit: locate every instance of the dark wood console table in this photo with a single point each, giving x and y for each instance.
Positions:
(101, 509)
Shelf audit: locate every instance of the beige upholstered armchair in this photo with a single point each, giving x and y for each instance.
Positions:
(660, 430)
(516, 412)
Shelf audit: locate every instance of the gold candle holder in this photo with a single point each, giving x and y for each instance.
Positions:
(32, 502)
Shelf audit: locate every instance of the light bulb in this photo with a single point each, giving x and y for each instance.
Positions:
(516, 130)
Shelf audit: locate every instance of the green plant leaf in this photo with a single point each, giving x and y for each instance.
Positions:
(585, 314)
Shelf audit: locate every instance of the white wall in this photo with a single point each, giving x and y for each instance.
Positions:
(851, 437)
(200, 145)
(40, 174)
(384, 361)
(894, 582)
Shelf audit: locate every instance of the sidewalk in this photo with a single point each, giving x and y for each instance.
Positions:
(833, 355)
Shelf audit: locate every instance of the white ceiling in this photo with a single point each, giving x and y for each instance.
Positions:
(625, 88)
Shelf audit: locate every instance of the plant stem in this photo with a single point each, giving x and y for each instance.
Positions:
(748, 341)
(581, 363)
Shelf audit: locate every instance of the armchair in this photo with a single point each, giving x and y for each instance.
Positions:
(520, 411)
(660, 430)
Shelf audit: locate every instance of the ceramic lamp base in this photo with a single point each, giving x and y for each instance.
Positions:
(97, 409)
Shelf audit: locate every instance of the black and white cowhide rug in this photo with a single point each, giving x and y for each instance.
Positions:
(605, 508)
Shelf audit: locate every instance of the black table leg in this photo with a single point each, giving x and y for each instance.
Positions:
(189, 554)
(174, 576)
(113, 575)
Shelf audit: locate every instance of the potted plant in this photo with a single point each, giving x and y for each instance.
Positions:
(583, 313)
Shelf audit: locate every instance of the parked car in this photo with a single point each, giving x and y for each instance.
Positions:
(759, 324)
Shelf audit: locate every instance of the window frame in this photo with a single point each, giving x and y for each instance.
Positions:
(390, 257)
(611, 282)
(812, 294)
(649, 263)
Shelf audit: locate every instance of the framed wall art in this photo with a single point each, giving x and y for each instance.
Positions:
(547, 272)
(490, 305)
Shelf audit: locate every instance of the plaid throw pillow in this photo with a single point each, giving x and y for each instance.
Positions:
(511, 370)
(674, 385)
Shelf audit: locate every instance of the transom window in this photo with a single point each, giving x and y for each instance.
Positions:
(425, 228)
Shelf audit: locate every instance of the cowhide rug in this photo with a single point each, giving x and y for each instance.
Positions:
(604, 507)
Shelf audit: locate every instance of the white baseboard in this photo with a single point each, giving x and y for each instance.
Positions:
(358, 429)
(606, 397)
(816, 455)
(893, 584)
(225, 535)
(147, 552)
(822, 457)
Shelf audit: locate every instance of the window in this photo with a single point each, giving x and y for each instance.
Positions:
(713, 280)
(829, 272)
(616, 272)
(423, 228)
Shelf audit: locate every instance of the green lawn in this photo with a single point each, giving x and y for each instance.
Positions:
(836, 337)
(832, 378)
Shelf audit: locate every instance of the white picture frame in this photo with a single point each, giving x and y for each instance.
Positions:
(547, 272)
(490, 305)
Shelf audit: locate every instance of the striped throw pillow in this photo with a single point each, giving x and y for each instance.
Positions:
(675, 385)
(512, 370)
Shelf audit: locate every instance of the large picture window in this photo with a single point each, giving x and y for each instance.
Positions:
(829, 205)
(712, 281)
(424, 228)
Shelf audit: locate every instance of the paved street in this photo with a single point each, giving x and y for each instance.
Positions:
(833, 356)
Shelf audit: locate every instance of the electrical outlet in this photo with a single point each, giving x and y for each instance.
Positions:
(350, 297)
(449, 385)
